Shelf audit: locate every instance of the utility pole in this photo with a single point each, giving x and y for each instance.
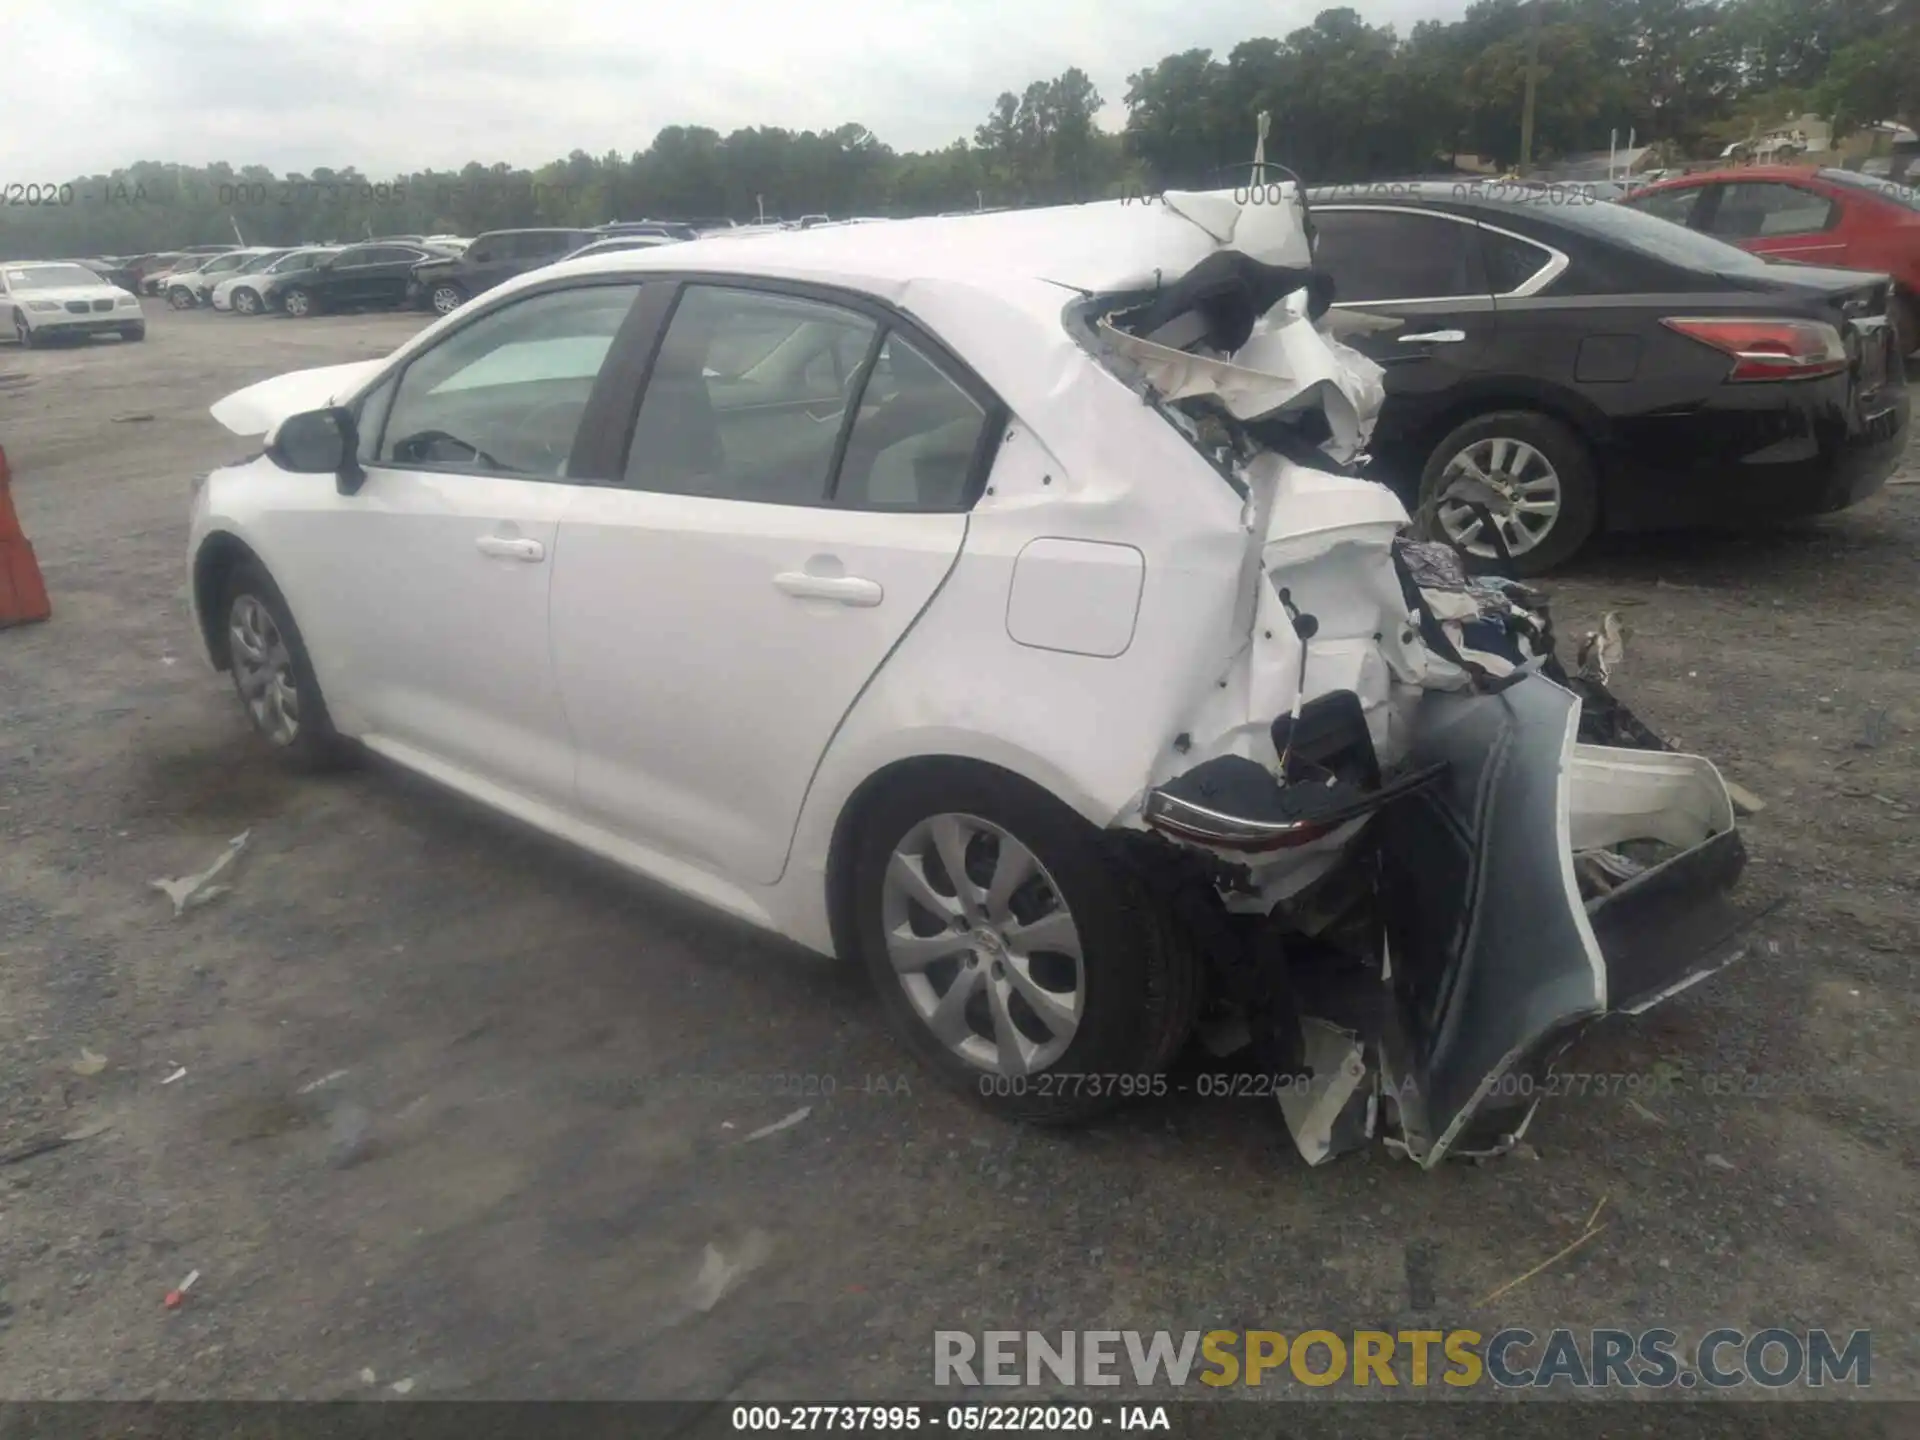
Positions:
(1533, 82)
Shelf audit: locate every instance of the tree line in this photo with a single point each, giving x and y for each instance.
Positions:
(1349, 102)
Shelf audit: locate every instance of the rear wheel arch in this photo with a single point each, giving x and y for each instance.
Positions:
(859, 805)
(1578, 415)
(1150, 968)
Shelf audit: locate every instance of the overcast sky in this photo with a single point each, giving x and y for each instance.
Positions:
(398, 85)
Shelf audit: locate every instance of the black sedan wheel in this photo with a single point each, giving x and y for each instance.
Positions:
(1531, 474)
(447, 297)
(298, 303)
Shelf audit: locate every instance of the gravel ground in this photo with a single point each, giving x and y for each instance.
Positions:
(463, 1109)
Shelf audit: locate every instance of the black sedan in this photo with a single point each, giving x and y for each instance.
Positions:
(1563, 365)
(359, 277)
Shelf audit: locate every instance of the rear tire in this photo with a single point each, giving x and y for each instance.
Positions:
(1133, 993)
(273, 674)
(1559, 453)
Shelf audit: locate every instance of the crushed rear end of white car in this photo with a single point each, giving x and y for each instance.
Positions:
(1423, 856)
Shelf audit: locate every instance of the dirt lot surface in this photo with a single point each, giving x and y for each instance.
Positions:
(462, 1109)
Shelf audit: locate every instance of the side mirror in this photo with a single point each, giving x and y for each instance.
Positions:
(319, 442)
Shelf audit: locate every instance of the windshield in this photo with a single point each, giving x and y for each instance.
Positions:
(260, 262)
(1891, 190)
(1675, 244)
(298, 260)
(49, 277)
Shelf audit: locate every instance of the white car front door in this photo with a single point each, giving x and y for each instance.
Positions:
(432, 579)
(795, 491)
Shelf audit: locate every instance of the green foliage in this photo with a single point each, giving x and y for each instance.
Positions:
(1349, 100)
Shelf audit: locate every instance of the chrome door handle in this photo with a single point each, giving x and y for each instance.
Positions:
(510, 549)
(1434, 337)
(847, 589)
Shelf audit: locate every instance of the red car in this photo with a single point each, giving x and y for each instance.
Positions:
(1819, 217)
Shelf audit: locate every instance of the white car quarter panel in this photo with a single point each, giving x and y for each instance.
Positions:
(1087, 730)
(1076, 596)
(703, 676)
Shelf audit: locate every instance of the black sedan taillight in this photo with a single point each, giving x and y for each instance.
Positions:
(1768, 349)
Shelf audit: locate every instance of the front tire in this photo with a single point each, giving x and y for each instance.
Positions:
(23, 332)
(1043, 981)
(298, 303)
(246, 302)
(272, 673)
(134, 333)
(446, 297)
(180, 298)
(1906, 325)
(1548, 490)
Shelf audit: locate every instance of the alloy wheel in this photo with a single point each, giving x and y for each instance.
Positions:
(984, 945)
(246, 302)
(263, 670)
(1524, 503)
(446, 300)
(297, 303)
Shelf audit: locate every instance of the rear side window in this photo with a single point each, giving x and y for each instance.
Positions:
(1674, 205)
(739, 405)
(1395, 255)
(749, 400)
(913, 442)
(1511, 262)
(1758, 210)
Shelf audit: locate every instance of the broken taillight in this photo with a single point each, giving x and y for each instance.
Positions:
(1768, 349)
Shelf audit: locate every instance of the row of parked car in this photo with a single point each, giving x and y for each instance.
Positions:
(429, 272)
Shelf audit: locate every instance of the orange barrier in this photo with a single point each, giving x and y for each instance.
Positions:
(23, 594)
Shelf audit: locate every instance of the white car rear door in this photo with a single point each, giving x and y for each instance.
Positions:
(795, 490)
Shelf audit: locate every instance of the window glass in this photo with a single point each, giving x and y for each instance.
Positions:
(1751, 210)
(1674, 205)
(739, 405)
(913, 443)
(1391, 255)
(1894, 192)
(504, 394)
(1511, 262)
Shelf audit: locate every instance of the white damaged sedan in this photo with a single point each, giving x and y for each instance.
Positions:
(997, 600)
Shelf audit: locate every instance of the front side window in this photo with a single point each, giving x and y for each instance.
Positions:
(1378, 255)
(504, 395)
(744, 402)
(1758, 210)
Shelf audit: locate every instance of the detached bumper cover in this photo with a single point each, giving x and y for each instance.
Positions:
(1496, 958)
